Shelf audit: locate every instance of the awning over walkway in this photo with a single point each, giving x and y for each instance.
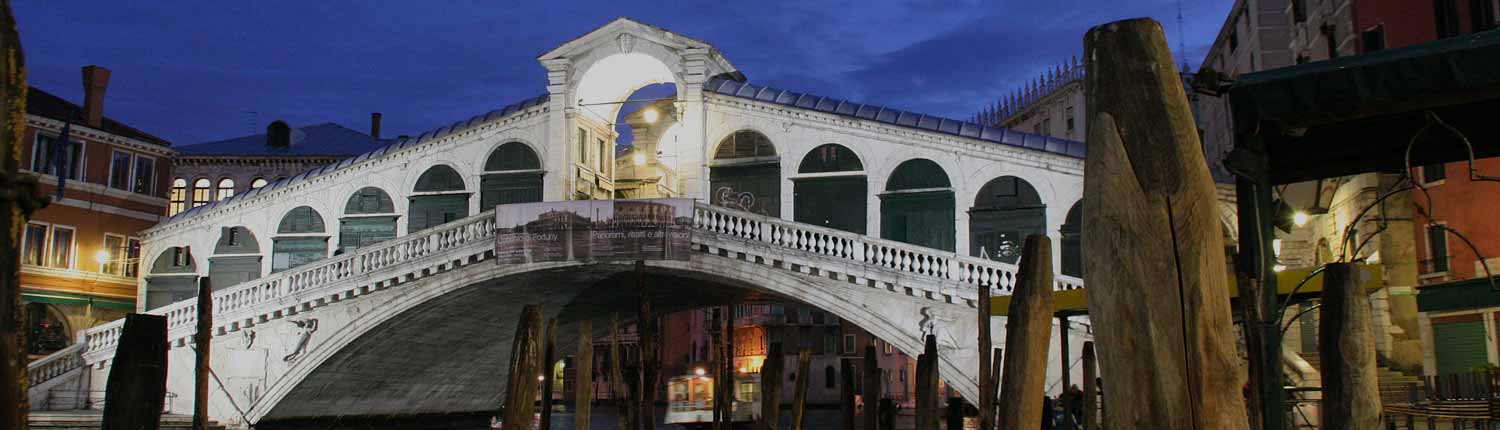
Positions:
(1356, 114)
(1075, 302)
(59, 298)
(1457, 295)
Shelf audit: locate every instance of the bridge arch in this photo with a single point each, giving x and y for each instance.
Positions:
(830, 179)
(745, 173)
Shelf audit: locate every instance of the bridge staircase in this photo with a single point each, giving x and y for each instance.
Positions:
(919, 272)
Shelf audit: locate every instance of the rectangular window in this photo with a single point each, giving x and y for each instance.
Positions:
(132, 257)
(145, 176)
(34, 244)
(114, 245)
(1069, 112)
(42, 162)
(1446, 13)
(119, 170)
(848, 344)
(583, 146)
(1047, 127)
(1433, 173)
(1437, 249)
(602, 164)
(60, 253)
(1373, 39)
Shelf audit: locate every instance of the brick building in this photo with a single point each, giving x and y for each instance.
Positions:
(80, 254)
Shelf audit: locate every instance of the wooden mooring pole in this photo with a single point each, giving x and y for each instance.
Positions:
(647, 327)
(799, 399)
(202, 341)
(1028, 332)
(986, 375)
(1346, 344)
(521, 384)
(846, 394)
(583, 370)
(137, 387)
(927, 388)
(1153, 247)
(548, 380)
(770, 387)
(1090, 389)
(869, 392)
(624, 397)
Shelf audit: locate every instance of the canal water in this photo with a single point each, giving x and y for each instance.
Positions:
(604, 417)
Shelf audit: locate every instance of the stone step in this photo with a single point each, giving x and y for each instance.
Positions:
(92, 420)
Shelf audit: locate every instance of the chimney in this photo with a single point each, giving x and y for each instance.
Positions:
(375, 125)
(278, 134)
(95, 80)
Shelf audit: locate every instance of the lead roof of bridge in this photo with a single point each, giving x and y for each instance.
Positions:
(722, 86)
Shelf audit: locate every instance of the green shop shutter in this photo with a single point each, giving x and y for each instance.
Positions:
(836, 202)
(428, 211)
(225, 272)
(922, 219)
(355, 233)
(1460, 346)
(505, 189)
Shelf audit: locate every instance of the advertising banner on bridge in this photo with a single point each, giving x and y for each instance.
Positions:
(594, 230)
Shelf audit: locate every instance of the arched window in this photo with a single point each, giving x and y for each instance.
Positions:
(300, 239)
(512, 174)
(202, 189)
(369, 217)
(178, 197)
(834, 193)
(438, 198)
(236, 258)
(1072, 242)
(226, 189)
(1006, 210)
(917, 206)
(172, 277)
(257, 183)
(746, 174)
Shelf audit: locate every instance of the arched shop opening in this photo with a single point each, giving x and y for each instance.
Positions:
(1006, 210)
(301, 238)
(512, 174)
(369, 217)
(626, 105)
(236, 258)
(829, 189)
(438, 198)
(917, 205)
(173, 277)
(745, 174)
(648, 143)
(1072, 242)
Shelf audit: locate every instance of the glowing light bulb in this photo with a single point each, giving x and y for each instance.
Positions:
(102, 256)
(1278, 268)
(651, 115)
(1300, 218)
(1276, 246)
(541, 378)
(639, 159)
(700, 372)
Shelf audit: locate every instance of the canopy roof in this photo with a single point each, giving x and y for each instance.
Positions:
(1356, 114)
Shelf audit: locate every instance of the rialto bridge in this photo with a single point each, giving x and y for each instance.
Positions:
(368, 287)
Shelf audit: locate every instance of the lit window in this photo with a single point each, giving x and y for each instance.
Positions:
(34, 244)
(201, 189)
(257, 183)
(178, 197)
(114, 247)
(145, 176)
(132, 261)
(60, 255)
(119, 170)
(226, 189)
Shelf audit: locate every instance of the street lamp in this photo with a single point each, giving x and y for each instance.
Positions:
(651, 115)
(102, 256)
(1300, 218)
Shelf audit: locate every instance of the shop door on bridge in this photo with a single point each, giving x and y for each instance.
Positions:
(917, 206)
(512, 174)
(369, 217)
(439, 198)
(236, 258)
(746, 174)
(301, 238)
(173, 277)
(1460, 343)
(1006, 210)
(830, 190)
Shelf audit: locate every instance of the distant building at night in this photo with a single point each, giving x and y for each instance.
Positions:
(213, 171)
(1050, 105)
(80, 256)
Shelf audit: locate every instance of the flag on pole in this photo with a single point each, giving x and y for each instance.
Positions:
(58, 159)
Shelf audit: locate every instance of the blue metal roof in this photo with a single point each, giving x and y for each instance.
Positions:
(897, 117)
(379, 148)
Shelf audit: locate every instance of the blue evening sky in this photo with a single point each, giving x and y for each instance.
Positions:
(193, 71)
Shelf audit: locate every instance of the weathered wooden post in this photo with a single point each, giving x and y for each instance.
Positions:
(770, 387)
(846, 394)
(870, 390)
(719, 368)
(137, 385)
(724, 370)
(1090, 389)
(730, 370)
(955, 413)
(887, 414)
(986, 375)
(1153, 248)
(647, 327)
(525, 352)
(799, 399)
(625, 403)
(21, 198)
(927, 395)
(1346, 344)
(549, 359)
(202, 341)
(1028, 331)
(583, 368)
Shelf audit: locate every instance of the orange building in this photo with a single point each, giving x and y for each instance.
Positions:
(80, 254)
